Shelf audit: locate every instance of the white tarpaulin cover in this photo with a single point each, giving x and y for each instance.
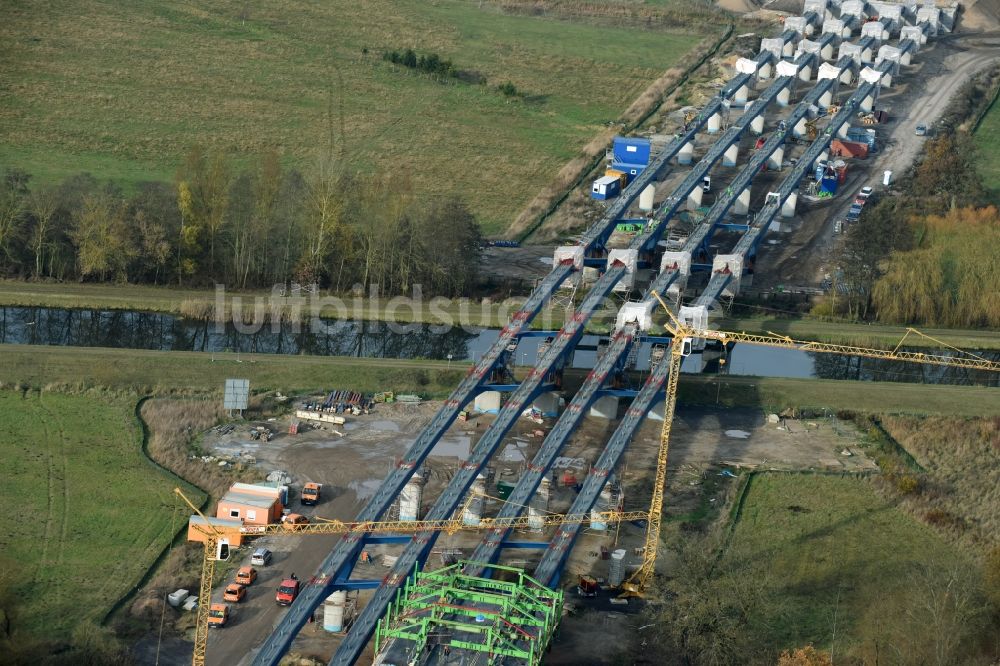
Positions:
(870, 75)
(786, 68)
(746, 66)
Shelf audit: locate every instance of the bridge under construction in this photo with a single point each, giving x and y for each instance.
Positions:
(834, 58)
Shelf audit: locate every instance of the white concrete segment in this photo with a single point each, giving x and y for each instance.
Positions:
(676, 260)
(786, 68)
(571, 252)
(746, 65)
(640, 313)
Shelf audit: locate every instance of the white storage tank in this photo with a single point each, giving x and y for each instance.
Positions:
(333, 611)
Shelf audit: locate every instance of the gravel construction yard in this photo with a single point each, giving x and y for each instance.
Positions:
(351, 460)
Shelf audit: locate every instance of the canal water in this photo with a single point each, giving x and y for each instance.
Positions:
(145, 330)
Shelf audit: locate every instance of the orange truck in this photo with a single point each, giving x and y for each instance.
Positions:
(218, 615)
(310, 493)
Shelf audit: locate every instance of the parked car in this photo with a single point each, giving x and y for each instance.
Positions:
(865, 192)
(287, 591)
(921, 130)
(261, 557)
(218, 616)
(234, 593)
(706, 183)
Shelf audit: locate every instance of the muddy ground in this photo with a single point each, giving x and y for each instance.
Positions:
(351, 460)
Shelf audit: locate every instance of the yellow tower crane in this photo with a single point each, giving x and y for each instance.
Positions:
(684, 336)
(216, 548)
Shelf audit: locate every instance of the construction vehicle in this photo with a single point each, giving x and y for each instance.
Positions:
(310, 493)
(294, 521)
(587, 587)
(218, 616)
(640, 580)
(246, 576)
(811, 130)
(234, 593)
(833, 109)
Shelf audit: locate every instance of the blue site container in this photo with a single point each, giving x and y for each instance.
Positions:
(630, 169)
(606, 187)
(631, 150)
(829, 184)
(862, 135)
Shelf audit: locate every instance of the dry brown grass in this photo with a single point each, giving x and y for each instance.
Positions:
(960, 492)
(174, 425)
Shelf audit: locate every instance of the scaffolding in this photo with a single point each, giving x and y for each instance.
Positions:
(447, 609)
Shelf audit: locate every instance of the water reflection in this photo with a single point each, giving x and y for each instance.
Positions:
(145, 330)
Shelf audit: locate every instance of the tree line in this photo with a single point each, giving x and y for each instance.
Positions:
(247, 227)
(924, 254)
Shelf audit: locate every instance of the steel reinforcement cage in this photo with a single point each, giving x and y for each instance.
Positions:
(447, 608)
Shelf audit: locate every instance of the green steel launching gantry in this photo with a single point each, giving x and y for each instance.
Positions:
(446, 610)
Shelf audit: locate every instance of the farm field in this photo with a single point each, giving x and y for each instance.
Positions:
(94, 513)
(840, 554)
(124, 92)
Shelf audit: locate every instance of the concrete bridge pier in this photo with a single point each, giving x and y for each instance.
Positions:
(842, 131)
(742, 204)
(686, 154)
(694, 199)
(799, 130)
(784, 96)
(788, 205)
(776, 158)
(868, 103)
(605, 407)
(488, 402)
(547, 404)
(764, 71)
(823, 157)
(729, 157)
(714, 123)
(757, 125)
(741, 95)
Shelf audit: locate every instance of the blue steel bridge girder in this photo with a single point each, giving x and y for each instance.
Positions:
(551, 447)
(562, 541)
(763, 218)
(340, 562)
(420, 546)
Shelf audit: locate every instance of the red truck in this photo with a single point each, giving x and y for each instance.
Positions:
(287, 591)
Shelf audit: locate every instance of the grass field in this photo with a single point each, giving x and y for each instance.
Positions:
(88, 513)
(836, 549)
(122, 91)
(988, 143)
(159, 372)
